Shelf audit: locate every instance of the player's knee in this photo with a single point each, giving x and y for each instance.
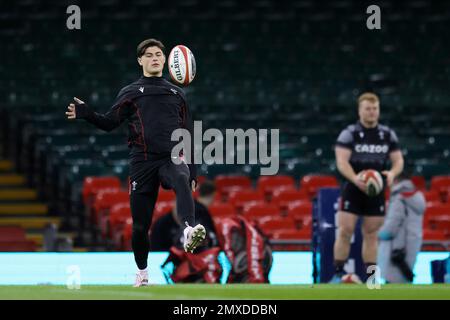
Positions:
(370, 234)
(345, 233)
(181, 180)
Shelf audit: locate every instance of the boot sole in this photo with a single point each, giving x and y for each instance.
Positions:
(197, 237)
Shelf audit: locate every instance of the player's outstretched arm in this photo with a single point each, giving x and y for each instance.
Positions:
(107, 122)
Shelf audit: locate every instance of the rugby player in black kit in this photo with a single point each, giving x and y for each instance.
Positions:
(363, 145)
(154, 108)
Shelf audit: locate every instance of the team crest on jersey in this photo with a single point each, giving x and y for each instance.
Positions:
(381, 135)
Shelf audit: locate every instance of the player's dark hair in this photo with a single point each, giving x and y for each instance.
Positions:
(149, 43)
(207, 188)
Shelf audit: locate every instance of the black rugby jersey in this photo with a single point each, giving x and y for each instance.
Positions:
(370, 146)
(154, 108)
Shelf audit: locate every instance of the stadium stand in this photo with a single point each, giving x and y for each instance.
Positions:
(281, 66)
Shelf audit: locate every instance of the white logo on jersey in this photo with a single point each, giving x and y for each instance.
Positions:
(381, 134)
(174, 91)
(371, 148)
(346, 205)
(361, 134)
(134, 184)
(141, 89)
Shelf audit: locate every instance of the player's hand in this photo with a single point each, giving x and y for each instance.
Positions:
(193, 185)
(71, 113)
(389, 177)
(359, 184)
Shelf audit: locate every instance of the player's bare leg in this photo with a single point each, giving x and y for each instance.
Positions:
(346, 222)
(370, 228)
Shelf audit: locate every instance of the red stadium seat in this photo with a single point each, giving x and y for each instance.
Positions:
(429, 234)
(431, 196)
(257, 211)
(269, 225)
(419, 182)
(242, 197)
(271, 191)
(218, 210)
(218, 221)
(312, 183)
(104, 200)
(161, 208)
(438, 209)
(438, 182)
(442, 185)
(441, 222)
(165, 195)
(12, 233)
(284, 197)
(292, 234)
(445, 194)
(201, 179)
(91, 185)
(122, 240)
(18, 246)
(116, 220)
(301, 211)
(267, 184)
(224, 194)
(224, 182)
(437, 217)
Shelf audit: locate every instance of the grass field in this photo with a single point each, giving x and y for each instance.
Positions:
(222, 292)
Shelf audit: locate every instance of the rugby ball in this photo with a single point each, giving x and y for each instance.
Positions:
(350, 278)
(373, 181)
(182, 66)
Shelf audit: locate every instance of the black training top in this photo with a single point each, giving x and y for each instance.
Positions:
(154, 108)
(370, 146)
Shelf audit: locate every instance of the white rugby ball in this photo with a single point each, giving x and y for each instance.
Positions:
(182, 66)
(373, 181)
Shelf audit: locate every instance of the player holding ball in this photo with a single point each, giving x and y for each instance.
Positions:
(362, 151)
(153, 108)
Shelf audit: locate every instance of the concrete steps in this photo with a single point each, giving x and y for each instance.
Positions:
(19, 194)
(30, 222)
(11, 179)
(23, 209)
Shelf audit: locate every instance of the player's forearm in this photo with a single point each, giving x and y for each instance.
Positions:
(346, 170)
(101, 121)
(397, 167)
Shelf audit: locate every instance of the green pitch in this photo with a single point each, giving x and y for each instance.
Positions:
(221, 292)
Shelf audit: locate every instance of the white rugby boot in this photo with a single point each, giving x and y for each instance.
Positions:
(193, 236)
(141, 278)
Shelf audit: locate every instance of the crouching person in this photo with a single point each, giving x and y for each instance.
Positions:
(400, 237)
